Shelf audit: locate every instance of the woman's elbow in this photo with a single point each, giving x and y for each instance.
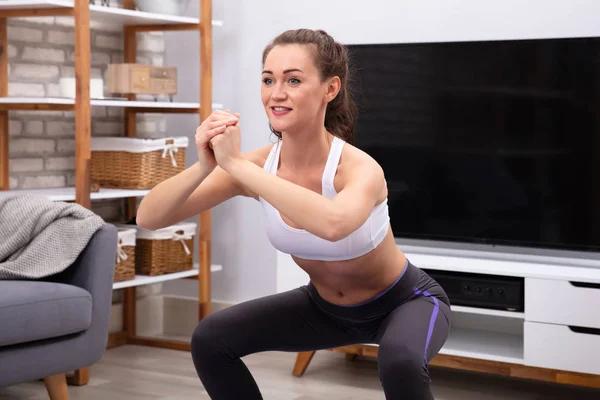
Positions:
(337, 229)
(144, 219)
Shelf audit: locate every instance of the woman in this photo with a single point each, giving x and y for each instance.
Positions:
(325, 203)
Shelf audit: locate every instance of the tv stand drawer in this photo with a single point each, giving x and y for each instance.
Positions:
(562, 302)
(562, 347)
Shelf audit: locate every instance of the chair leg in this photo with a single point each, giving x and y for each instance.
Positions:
(302, 361)
(56, 385)
(80, 377)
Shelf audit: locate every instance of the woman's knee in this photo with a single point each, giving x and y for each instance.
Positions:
(400, 360)
(208, 337)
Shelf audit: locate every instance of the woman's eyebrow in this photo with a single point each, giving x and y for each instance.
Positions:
(287, 71)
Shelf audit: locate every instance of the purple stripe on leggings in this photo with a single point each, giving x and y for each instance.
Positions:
(434, 314)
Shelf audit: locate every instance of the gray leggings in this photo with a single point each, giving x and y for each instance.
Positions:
(409, 321)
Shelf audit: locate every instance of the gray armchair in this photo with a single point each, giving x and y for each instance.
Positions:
(53, 326)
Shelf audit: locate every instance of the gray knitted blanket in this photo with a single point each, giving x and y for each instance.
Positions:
(39, 237)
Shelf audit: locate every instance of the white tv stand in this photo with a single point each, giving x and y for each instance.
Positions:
(556, 339)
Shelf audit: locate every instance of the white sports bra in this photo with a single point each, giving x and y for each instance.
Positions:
(305, 245)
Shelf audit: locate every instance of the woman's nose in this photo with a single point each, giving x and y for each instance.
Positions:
(279, 92)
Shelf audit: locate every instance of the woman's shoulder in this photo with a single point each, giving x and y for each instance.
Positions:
(353, 158)
(357, 165)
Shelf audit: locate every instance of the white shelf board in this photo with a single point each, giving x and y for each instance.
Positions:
(34, 4)
(123, 16)
(105, 102)
(107, 15)
(141, 280)
(68, 193)
(488, 311)
(485, 345)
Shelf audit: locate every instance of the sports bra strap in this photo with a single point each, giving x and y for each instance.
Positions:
(335, 153)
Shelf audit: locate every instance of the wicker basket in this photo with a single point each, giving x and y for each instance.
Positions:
(165, 250)
(131, 163)
(125, 263)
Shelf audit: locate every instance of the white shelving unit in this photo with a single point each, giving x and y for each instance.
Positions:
(558, 289)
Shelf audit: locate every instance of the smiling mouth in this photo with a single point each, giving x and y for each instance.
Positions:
(278, 110)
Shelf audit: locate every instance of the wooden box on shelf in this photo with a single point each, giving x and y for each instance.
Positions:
(125, 263)
(165, 250)
(131, 163)
(141, 79)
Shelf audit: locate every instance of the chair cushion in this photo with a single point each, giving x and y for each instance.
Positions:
(34, 310)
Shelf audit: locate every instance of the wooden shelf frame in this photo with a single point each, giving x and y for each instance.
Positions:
(81, 106)
(129, 334)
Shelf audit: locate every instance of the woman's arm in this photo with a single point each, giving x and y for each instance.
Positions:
(329, 219)
(332, 219)
(193, 191)
(188, 193)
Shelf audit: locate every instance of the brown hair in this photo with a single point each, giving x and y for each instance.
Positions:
(331, 59)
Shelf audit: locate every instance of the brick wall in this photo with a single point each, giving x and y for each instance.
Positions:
(42, 146)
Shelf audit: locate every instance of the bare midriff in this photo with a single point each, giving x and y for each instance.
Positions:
(360, 279)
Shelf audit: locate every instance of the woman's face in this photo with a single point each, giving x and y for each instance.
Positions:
(292, 91)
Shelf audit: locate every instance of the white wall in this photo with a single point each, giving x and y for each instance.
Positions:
(251, 266)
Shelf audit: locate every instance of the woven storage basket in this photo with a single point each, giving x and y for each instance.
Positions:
(131, 163)
(125, 263)
(165, 250)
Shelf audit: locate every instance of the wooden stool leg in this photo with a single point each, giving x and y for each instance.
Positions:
(80, 377)
(56, 385)
(302, 361)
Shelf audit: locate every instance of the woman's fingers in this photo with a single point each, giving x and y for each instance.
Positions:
(208, 125)
(217, 124)
(215, 131)
(223, 112)
(221, 117)
(226, 113)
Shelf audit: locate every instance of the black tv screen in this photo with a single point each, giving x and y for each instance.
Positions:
(493, 142)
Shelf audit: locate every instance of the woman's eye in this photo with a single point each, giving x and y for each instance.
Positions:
(294, 81)
(267, 81)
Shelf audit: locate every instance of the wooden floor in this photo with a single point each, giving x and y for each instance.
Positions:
(142, 373)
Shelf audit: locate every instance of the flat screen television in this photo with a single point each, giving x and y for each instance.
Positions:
(492, 142)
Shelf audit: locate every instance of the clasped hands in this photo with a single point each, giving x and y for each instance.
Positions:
(218, 139)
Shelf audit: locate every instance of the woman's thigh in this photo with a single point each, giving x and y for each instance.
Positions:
(419, 326)
(408, 339)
